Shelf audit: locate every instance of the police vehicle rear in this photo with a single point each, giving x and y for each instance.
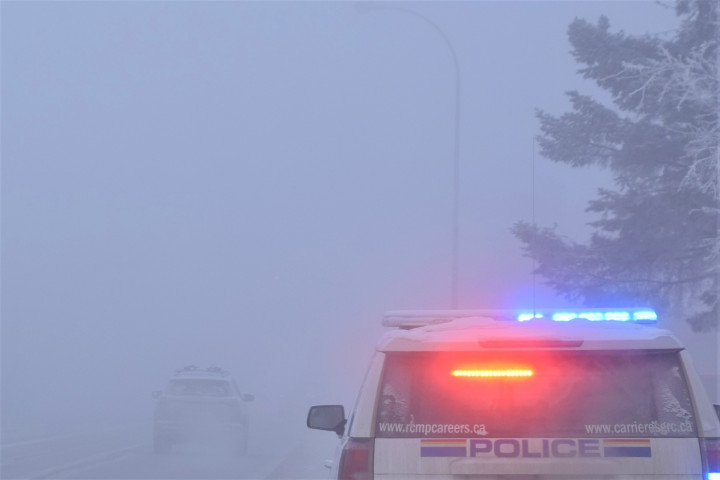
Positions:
(543, 395)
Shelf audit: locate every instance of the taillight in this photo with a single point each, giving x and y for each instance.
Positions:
(356, 461)
(710, 449)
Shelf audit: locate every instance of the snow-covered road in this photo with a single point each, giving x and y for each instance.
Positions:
(126, 453)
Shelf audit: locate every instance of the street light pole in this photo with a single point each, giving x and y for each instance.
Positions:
(367, 6)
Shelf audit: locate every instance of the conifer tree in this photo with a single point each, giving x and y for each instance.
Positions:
(655, 240)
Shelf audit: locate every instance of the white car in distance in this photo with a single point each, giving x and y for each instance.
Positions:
(201, 406)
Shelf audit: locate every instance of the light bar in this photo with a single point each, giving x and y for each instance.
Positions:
(597, 315)
(493, 373)
(408, 319)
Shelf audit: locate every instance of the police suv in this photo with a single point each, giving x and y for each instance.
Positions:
(543, 395)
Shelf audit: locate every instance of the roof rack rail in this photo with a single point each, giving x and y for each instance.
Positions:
(208, 371)
(407, 319)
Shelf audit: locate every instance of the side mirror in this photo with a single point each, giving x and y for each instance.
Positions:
(327, 417)
(248, 397)
(717, 409)
(156, 394)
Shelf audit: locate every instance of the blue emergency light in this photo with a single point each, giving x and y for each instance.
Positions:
(595, 315)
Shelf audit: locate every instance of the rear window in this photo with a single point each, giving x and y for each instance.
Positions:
(534, 394)
(202, 387)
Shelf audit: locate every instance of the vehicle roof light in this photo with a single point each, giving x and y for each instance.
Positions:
(595, 315)
(619, 316)
(647, 315)
(524, 317)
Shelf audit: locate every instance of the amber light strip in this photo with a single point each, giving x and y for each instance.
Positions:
(492, 373)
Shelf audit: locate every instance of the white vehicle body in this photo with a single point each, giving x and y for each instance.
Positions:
(201, 405)
(468, 396)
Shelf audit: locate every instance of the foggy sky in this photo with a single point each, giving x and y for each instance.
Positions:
(251, 184)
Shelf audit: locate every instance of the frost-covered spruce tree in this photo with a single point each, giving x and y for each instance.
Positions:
(656, 238)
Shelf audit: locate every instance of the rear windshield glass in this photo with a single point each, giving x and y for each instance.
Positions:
(212, 388)
(534, 394)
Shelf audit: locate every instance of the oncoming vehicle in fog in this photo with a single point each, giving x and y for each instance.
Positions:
(201, 405)
(486, 394)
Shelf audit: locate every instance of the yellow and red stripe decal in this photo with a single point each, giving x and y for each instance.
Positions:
(626, 442)
(444, 442)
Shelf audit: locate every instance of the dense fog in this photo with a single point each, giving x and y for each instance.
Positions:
(252, 184)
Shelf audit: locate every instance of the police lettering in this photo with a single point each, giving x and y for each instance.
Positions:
(534, 448)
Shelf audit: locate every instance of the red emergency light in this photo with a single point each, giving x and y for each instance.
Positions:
(494, 373)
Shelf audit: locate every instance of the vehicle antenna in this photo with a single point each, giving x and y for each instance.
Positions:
(533, 227)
